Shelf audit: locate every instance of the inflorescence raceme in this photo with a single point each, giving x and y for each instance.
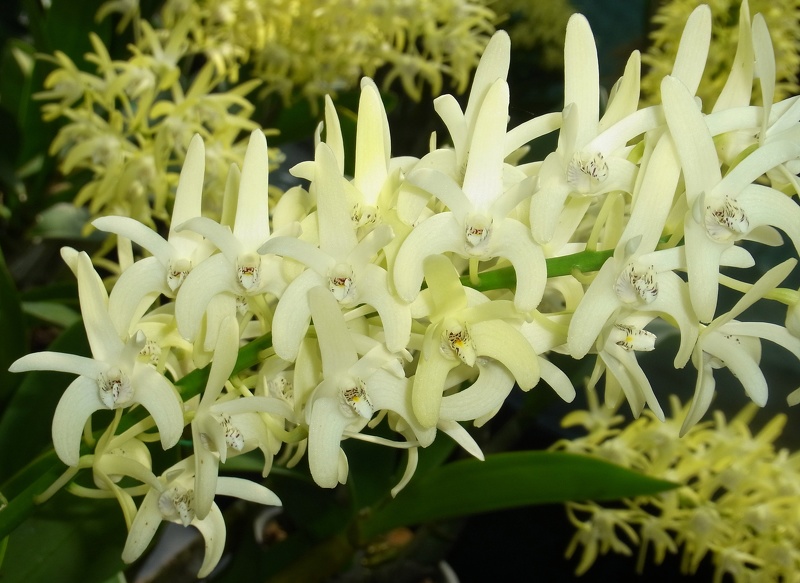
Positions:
(356, 286)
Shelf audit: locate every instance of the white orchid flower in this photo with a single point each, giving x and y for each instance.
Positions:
(238, 271)
(227, 425)
(477, 225)
(579, 167)
(172, 499)
(726, 342)
(116, 377)
(341, 263)
(723, 210)
(616, 357)
(172, 259)
(474, 333)
(352, 390)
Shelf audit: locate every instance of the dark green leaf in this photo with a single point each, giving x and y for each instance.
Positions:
(13, 339)
(506, 481)
(69, 540)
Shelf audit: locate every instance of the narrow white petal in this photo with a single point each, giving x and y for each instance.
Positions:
(371, 153)
(59, 362)
(693, 141)
(444, 188)
(702, 264)
(530, 130)
(301, 251)
(189, 194)
(143, 528)
(549, 198)
(654, 195)
(335, 343)
(766, 283)
(581, 76)
(214, 276)
(486, 394)
(437, 234)
(631, 377)
(79, 401)
(625, 100)
(483, 179)
(512, 240)
(444, 285)
(325, 431)
(104, 339)
(429, 383)
(493, 65)
(336, 234)
(159, 397)
(461, 437)
(251, 226)
(138, 233)
(593, 311)
(220, 235)
(212, 527)
(767, 206)
(765, 67)
(247, 490)
(741, 364)
(557, 379)
(450, 112)
(206, 465)
(693, 48)
(703, 394)
(226, 351)
(333, 136)
(135, 291)
(739, 86)
(257, 404)
(395, 315)
(292, 315)
(501, 341)
(759, 162)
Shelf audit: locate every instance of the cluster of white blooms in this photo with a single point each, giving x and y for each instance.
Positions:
(737, 503)
(368, 286)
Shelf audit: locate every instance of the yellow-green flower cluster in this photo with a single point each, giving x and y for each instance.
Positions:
(782, 18)
(320, 47)
(737, 505)
(130, 123)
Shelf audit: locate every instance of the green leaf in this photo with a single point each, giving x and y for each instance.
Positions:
(508, 480)
(69, 540)
(52, 313)
(13, 341)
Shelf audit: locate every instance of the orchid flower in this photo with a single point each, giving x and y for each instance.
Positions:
(616, 356)
(351, 391)
(579, 167)
(341, 263)
(115, 378)
(238, 271)
(726, 342)
(172, 499)
(723, 210)
(470, 330)
(377, 174)
(172, 259)
(477, 226)
(230, 426)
